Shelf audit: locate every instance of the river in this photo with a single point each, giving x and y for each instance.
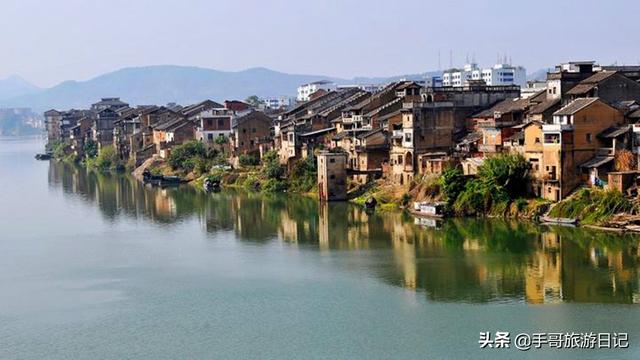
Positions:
(98, 266)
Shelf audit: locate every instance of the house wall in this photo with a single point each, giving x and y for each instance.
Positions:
(249, 133)
(576, 148)
(332, 176)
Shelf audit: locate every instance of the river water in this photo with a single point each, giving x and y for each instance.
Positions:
(97, 266)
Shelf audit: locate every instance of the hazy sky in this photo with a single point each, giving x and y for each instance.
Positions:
(50, 41)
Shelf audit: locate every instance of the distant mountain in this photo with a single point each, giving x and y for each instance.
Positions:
(182, 84)
(20, 121)
(166, 83)
(16, 86)
(538, 75)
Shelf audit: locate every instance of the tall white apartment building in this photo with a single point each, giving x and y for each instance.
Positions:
(304, 91)
(499, 74)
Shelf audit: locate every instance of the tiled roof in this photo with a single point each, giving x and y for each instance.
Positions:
(589, 83)
(613, 132)
(544, 106)
(504, 106)
(575, 106)
(596, 162)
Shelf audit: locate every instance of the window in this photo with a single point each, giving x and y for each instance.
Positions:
(210, 136)
(332, 176)
(220, 123)
(253, 130)
(290, 137)
(589, 137)
(537, 141)
(407, 137)
(332, 160)
(244, 131)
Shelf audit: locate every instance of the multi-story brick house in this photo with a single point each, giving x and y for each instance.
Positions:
(250, 132)
(579, 146)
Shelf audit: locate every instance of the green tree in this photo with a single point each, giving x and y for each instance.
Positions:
(271, 167)
(90, 149)
(221, 139)
(452, 184)
(108, 158)
(187, 156)
(505, 172)
(253, 100)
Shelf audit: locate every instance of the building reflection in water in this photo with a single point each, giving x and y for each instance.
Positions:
(467, 260)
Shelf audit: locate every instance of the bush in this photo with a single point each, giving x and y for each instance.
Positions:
(248, 160)
(592, 206)
(274, 186)
(221, 139)
(90, 149)
(186, 156)
(271, 168)
(59, 149)
(108, 159)
(507, 172)
(304, 175)
(452, 184)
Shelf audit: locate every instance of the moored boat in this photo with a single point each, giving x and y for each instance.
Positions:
(45, 156)
(423, 208)
(559, 221)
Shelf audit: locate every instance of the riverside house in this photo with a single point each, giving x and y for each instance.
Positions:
(580, 146)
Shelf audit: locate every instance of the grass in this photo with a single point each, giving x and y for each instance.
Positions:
(592, 206)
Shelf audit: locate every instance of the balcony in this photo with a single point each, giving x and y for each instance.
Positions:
(487, 148)
(556, 127)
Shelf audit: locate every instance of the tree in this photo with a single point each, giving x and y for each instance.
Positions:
(253, 100)
(505, 172)
(625, 160)
(221, 139)
(187, 155)
(90, 149)
(452, 183)
(271, 167)
(108, 158)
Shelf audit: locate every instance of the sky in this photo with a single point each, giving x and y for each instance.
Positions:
(47, 42)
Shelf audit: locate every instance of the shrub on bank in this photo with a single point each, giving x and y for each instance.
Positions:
(500, 180)
(592, 205)
(108, 159)
(188, 156)
(304, 175)
(248, 160)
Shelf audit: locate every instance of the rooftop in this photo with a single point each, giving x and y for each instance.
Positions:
(575, 106)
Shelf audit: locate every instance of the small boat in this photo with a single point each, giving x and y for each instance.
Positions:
(559, 221)
(423, 208)
(46, 156)
(159, 180)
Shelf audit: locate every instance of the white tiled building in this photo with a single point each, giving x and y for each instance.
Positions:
(304, 91)
(499, 74)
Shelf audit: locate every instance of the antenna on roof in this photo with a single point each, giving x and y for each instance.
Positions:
(474, 57)
(450, 58)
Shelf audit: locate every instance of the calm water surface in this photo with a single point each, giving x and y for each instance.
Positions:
(94, 266)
